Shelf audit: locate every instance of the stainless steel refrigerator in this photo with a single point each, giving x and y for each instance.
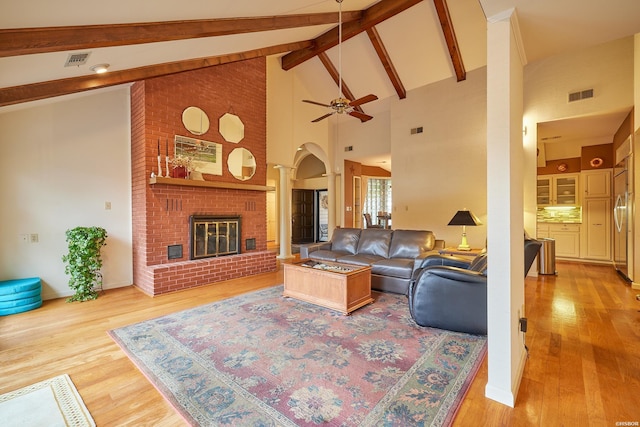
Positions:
(621, 210)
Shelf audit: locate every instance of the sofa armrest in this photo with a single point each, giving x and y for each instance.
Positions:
(450, 298)
(306, 250)
(445, 260)
(457, 274)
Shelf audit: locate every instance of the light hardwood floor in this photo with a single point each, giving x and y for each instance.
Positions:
(583, 338)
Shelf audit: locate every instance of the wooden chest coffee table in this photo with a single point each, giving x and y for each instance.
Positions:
(340, 287)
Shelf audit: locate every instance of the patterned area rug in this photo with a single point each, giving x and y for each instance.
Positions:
(52, 403)
(263, 360)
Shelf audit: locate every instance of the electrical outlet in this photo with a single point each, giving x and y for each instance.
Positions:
(107, 206)
(523, 324)
(33, 238)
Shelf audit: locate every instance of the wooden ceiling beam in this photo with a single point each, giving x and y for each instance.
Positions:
(372, 16)
(26, 41)
(450, 37)
(335, 75)
(42, 90)
(378, 45)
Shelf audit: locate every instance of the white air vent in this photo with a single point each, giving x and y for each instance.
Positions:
(77, 59)
(583, 94)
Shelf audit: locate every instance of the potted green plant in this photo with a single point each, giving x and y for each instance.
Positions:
(84, 261)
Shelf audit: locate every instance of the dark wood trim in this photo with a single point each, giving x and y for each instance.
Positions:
(331, 69)
(372, 16)
(450, 37)
(32, 92)
(378, 45)
(26, 41)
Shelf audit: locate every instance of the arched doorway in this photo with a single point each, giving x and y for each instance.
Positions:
(310, 197)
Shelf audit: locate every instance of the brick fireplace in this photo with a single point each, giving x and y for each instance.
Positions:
(162, 212)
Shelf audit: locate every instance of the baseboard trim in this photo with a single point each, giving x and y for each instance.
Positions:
(508, 397)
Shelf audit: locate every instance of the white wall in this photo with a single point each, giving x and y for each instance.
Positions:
(442, 170)
(368, 139)
(607, 68)
(59, 163)
(288, 118)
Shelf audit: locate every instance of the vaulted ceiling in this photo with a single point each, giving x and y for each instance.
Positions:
(390, 47)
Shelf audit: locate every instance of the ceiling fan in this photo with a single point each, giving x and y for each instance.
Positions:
(342, 105)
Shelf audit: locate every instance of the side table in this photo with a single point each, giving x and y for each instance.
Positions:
(456, 252)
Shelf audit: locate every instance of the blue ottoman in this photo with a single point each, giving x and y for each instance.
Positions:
(17, 296)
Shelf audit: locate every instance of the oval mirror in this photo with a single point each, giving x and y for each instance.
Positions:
(231, 128)
(241, 164)
(195, 120)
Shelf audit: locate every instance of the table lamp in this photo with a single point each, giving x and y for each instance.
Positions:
(464, 218)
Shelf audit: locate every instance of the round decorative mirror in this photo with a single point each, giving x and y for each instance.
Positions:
(241, 164)
(195, 120)
(231, 128)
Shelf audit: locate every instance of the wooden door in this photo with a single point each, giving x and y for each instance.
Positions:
(302, 214)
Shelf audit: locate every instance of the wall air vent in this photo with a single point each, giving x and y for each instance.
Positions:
(583, 94)
(77, 59)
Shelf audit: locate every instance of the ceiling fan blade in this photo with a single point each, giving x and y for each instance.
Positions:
(363, 100)
(322, 117)
(316, 103)
(363, 117)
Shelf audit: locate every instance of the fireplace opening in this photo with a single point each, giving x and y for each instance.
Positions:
(214, 236)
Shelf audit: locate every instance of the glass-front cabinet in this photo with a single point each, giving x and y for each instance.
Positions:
(544, 190)
(558, 190)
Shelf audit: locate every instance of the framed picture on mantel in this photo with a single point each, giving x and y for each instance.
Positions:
(206, 155)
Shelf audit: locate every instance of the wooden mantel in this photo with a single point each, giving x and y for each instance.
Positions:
(209, 184)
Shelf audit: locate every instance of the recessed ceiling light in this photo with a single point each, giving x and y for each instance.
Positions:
(100, 68)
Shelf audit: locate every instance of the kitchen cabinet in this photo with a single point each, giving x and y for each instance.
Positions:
(566, 236)
(596, 225)
(559, 189)
(596, 183)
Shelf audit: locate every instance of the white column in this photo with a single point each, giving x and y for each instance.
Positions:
(505, 208)
(285, 211)
(333, 202)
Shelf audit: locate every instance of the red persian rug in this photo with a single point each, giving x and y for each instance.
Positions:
(263, 360)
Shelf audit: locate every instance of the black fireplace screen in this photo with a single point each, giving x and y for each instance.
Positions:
(213, 236)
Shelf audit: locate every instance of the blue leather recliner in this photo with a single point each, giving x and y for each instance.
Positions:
(451, 293)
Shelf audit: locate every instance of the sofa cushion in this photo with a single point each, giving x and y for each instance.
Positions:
(411, 243)
(394, 267)
(345, 240)
(374, 241)
(360, 259)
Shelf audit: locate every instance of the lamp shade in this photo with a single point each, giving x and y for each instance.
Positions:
(464, 217)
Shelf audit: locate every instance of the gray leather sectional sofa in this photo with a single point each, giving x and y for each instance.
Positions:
(393, 255)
